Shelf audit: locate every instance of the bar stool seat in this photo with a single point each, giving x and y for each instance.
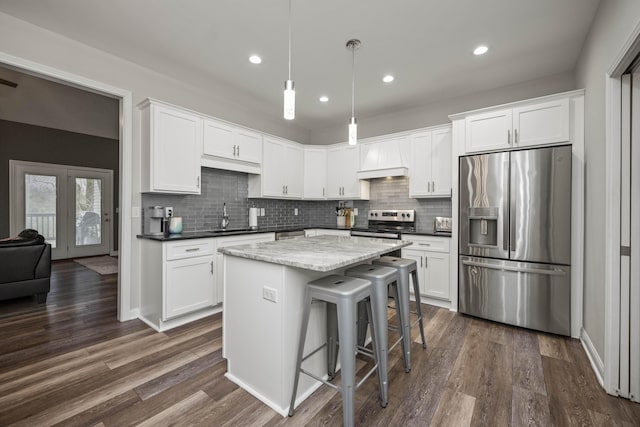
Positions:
(407, 268)
(341, 295)
(381, 278)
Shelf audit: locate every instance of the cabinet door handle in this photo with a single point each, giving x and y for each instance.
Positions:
(426, 261)
(211, 263)
(515, 136)
(424, 244)
(508, 136)
(322, 191)
(286, 189)
(192, 249)
(283, 189)
(234, 151)
(198, 182)
(238, 151)
(433, 186)
(420, 260)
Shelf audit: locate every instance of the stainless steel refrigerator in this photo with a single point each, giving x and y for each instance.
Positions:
(515, 238)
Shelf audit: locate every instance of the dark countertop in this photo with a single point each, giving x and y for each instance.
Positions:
(229, 232)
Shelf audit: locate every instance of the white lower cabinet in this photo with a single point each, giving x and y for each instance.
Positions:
(433, 261)
(188, 286)
(177, 282)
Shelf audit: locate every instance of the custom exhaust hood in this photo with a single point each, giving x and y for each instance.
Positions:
(380, 159)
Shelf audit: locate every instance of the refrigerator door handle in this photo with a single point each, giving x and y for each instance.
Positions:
(512, 210)
(505, 209)
(554, 272)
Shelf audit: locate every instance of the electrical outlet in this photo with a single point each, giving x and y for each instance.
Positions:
(355, 211)
(269, 294)
(262, 212)
(295, 211)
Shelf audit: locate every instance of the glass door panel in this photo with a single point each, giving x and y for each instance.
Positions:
(40, 205)
(88, 209)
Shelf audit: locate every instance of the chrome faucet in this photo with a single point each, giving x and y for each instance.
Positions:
(225, 218)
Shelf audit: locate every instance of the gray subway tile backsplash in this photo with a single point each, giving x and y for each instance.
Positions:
(204, 212)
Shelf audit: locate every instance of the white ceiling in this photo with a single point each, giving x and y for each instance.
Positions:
(426, 44)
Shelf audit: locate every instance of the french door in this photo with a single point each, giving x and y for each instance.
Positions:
(70, 206)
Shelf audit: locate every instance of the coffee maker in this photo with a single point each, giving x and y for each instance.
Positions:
(156, 220)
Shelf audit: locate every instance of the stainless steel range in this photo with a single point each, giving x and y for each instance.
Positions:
(387, 224)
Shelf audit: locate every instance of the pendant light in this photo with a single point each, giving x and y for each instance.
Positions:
(289, 91)
(353, 44)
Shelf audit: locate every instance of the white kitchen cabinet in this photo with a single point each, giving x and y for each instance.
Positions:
(433, 264)
(430, 169)
(522, 125)
(384, 157)
(177, 282)
(188, 286)
(224, 242)
(171, 146)
(281, 175)
(342, 179)
(231, 147)
(315, 173)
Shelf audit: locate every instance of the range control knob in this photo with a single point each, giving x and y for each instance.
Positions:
(403, 215)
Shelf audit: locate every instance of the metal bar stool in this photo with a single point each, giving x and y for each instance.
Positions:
(380, 277)
(341, 295)
(406, 268)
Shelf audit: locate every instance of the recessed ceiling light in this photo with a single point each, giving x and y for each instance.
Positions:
(324, 99)
(388, 78)
(255, 59)
(480, 50)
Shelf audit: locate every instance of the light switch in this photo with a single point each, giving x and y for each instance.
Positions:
(262, 212)
(295, 211)
(135, 212)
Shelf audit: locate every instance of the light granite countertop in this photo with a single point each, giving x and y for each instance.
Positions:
(319, 253)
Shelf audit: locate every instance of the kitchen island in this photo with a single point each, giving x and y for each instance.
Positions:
(264, 287)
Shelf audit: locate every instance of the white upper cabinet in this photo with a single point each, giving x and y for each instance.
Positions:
(342, 179)
(430, 168)
(171, 146)
(386, 157)
(231, 147)
(281, 175)
(544, 123)
(315, 173)
(523, 125)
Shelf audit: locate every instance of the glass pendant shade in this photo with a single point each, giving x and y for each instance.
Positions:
(353, 131)
(289, 100)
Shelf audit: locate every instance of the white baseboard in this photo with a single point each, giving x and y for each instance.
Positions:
(133, 313)
(594, 357)
(284, 411)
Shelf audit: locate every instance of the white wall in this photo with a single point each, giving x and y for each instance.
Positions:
(612, 26)
(436, 113)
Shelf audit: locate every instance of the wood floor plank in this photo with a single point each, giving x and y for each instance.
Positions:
(527, 363)
(182, 413)
(465, 376)
(494, 395)
(529, 408)
(553, 346)
(454, 410)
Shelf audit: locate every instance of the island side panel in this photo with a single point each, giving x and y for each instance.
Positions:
(260, 336)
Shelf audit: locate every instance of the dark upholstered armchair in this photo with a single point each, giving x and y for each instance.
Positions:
(25, 268)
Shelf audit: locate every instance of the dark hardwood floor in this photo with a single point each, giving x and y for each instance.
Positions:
(72, 363)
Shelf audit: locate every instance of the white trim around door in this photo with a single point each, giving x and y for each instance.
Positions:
(125, 250)
(613, 146)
